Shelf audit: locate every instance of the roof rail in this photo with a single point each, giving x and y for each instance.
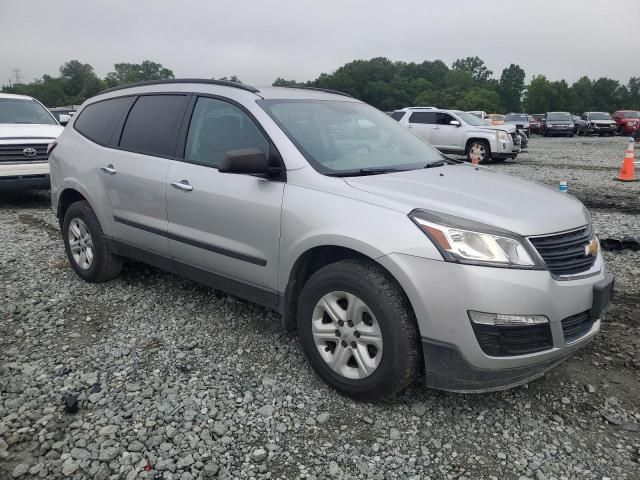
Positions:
(224, 83)
(326, 90)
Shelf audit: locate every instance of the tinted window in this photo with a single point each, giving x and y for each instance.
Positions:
(217, 127)
(444, 118)
(397, 116)
(153, 123)
(98, 120)
(422, 117)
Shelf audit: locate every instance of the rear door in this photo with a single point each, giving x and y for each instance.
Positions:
(133, 174)
(444, 135)
(224, 227)
(421, 123)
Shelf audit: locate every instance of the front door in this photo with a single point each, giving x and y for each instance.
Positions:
(444, 135)
(224, 224)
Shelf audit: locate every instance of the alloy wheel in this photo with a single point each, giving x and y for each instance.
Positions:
(80, 243)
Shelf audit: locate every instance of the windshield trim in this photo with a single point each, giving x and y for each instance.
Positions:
(329, 172)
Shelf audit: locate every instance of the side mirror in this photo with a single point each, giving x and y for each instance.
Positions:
(64, 119)
(454, 122)
(248, 161)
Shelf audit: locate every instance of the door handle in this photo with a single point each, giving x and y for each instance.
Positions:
(109, 169)
(182, 185)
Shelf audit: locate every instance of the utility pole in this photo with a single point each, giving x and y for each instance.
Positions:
(17, 74)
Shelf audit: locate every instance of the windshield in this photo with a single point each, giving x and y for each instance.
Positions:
(13, 110)
(630, 114)
(516, 117)
(559, 116)
(339, 137)
(472, 120)
(599, 116)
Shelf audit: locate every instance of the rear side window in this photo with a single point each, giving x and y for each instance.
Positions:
(217, 127)
(397, 116)
(422, 117)
(153, 123)
(98, 120)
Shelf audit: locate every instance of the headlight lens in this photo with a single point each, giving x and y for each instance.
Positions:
(502, 135)
(465, 245)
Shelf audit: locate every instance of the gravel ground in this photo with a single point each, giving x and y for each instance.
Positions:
(177, 381)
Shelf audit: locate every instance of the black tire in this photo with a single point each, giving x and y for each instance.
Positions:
(486, 146)
(382, 295)
(105, 265)
(570, 135)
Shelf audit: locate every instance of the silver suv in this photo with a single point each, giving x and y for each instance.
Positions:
(389, 259)
(461, 133)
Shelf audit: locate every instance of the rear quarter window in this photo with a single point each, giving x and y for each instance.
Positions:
(98, 120)
(397, 116)
(153, 123)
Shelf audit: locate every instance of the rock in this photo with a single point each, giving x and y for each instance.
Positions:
(185, 462)
(80, 454)
(69, 468)
(108, 430)
(334, 470)
(266, 410)
(135, 446)
(419, 409)
(210, 470)
(323, 418)
(501, 456)
(394, 434)
(590, 388)
(20, 470)
(258, 455)
(109, 453)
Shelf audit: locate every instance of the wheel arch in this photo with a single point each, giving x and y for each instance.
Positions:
(310, 261)
(476, 139)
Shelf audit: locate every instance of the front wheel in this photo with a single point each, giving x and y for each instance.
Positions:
(479, 149)
(358, 330)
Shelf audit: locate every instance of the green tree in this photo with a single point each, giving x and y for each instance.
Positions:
(232, 78)
(79, 81)
(511, 87)
(538, 95)
(582, 93)
(475, 67)
(479, 98)
(281, 82)
(137, 72)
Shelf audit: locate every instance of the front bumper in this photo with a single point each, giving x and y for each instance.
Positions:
(607, 130)
(550, 131)
(441, 295)
(24, 176)
(627, 129)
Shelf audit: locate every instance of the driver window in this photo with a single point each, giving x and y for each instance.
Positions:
(443, 118)
(217, 127)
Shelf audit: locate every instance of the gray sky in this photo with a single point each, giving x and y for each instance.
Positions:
(299, 39)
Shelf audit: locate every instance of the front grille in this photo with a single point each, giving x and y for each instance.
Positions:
(564, 253)
(506, 341)
(576, 326)
(15, 153)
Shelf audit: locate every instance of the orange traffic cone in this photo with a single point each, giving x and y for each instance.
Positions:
(627, 173)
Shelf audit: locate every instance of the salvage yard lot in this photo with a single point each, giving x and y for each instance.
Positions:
(193, 383)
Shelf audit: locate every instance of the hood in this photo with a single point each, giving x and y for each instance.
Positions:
(480, 194)
(19, 132)
(507, 127)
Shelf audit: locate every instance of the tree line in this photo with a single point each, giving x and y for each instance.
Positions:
(467, 85)
(470, 85)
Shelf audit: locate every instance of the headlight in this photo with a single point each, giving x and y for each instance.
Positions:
(502, 135)
(466, 241)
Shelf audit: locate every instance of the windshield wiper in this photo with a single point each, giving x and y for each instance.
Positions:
(439, 163)
(366, 171)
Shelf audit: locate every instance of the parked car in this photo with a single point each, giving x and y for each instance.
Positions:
(496, 118)
(627, 121)
(412, 260)
(558, 123)
(480, 114)
(520, 120)
(63, 114)
(599, 123)
(575, 119)
(536, 123)
(461, 133)
(26, 130)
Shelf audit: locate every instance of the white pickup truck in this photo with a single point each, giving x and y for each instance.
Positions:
(461, 133)
(26, 130)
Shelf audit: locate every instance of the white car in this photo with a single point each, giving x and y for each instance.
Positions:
(26, 130)
(461, 133)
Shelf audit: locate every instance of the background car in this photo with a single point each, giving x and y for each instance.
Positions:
(627, 121)
(63, 114)
(558, 124)
(26, 130)
(536, 123)
(496, 118)
(520, 120)
(479, 113)
(599, 123)
(575, 119)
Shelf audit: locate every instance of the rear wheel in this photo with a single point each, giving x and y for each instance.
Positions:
(86, 245)
(479, 149)
(357, 330)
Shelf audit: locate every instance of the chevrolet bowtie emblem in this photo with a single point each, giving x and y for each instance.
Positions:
(592, 248)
